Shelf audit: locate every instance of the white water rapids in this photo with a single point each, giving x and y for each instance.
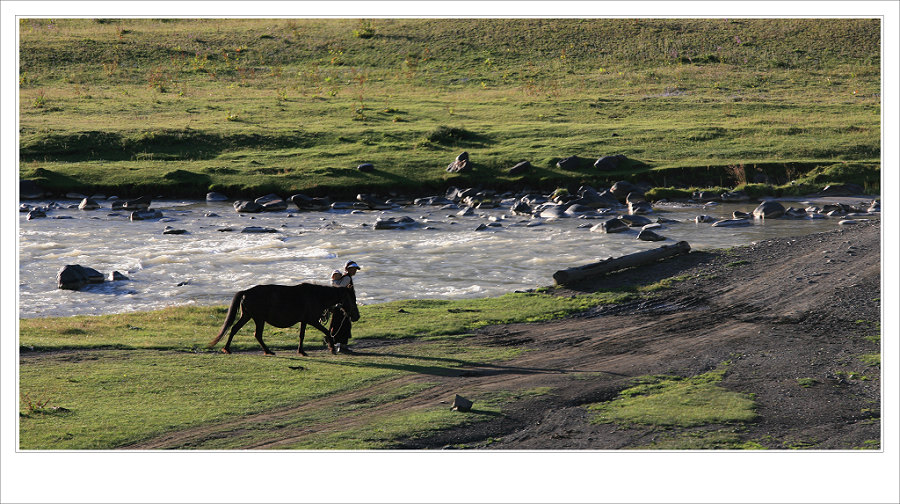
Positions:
(442, 258)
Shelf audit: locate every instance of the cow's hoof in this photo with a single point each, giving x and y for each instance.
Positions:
(226, 351)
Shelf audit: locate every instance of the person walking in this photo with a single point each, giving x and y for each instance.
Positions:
(340, 322)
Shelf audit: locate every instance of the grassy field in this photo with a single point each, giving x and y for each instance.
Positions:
(253, 106)
(100, 382)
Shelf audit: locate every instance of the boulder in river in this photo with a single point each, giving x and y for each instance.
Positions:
(258, 229)
(704, 218)
(88, 204)
(639, 207)
(35, 214)
(520, 207)
(648, 235)
(244, 206)
(76, 276)
(116, 276)
(146, 215)
(768, 210)
(551, 211)
(142, 203)
(635, 220)
(214, 196)
(610, 226)
(372, 203)
(622, 189)
(271, 203)
(731, 223)
(404, 222)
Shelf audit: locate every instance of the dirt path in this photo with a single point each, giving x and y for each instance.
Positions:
(778, 310)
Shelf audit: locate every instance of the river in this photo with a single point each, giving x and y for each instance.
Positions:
(443, 256)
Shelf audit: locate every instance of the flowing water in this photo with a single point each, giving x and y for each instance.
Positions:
(442, 257)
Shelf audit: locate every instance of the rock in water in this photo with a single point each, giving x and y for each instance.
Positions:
(731, 223)
(395, 222)
(768, 210)
(648, 235)
(610, 226)
(243, 206)
(76, 276)
(88, 204)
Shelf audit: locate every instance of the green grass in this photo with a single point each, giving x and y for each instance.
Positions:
(293, 105)
(807, 382)
(703, 440)
(191, 328)
(871, 359)
(149, 372)
(671, 401)
(110, 397)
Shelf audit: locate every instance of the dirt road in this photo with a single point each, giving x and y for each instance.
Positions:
(779, 311)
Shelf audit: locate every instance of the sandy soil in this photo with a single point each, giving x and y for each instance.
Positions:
(778, 310)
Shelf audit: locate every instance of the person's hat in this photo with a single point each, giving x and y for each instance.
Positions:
(351, 264)
(336, 272)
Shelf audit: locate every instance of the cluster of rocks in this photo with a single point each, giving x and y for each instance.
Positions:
(139, 208)
(76, 276)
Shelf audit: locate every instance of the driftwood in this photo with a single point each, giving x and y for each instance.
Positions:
(578, 273)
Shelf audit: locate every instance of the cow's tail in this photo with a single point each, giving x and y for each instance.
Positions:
(229, 319)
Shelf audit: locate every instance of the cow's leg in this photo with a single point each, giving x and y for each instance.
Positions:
(259, 330)
(328, 339)
(234, 329)
(302, 333)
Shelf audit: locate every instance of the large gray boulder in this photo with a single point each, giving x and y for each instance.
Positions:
(142, 203)
(244, 206)
(145, 215)
(731, 223)
(214, 196)
(88, 204)
(610, 163)
(404, 222)
(271, 203)
(372, 203)
(768, 210)
(304, 202)
(635, 220)
(622, 189)
(520, 207)
(648, 235)
(76, 276)
(554, 211)
(610, 226)
(589, 196)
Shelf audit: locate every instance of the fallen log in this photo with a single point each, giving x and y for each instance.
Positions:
(571, 275)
